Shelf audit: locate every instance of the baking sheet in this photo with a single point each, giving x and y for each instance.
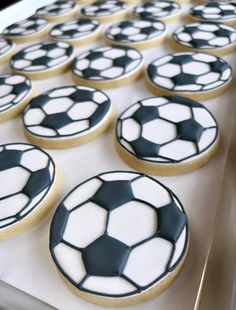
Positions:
(25, 262)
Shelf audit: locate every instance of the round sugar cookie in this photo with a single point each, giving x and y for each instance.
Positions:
(195, 75)
(167, 11)
(29, 187)
(15, 93)
(141, 34)
(58, 11)
(43, 60)
(32, 28)
(210, 37)
(107, 67)
(166, 135)
(77, 32)
(119, 238)
(7, 48)
(106, 11)
(67, 116)
(215, 11)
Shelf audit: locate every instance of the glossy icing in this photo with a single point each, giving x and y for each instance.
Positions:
(66, 112)
(13, 90)
(168, 129)
(118, 234)
(205, 35)
(42, 56)
(27, 175)
(189, 72)
(107, 63)
(218, 11)
(104, 8)
(5, 46)
(60, 7)
(135, 31)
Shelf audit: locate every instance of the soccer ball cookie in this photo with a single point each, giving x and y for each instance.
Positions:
(107, 67)
(58, 11)
(43, 60)
(32, 28)
(29, 187)
(77, 32)
(215, 11)
(106, 11)
(7, 48)
(166, 135)
(217, 39)
(141, 34)
(167, 11)
(195, 75)
(15, 93)
(119, 238)
(67, 116)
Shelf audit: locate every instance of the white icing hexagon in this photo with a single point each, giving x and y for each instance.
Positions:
(35, 54)
(169, 70)
(178, 150)
(5, 90)
(131, 110)
(159, 131)
(15, 79)
(57, 105)
(21, 63)
(82, 110)
(34, 160)
(175, 112)
(208, 78)
(82, 64)
(57, 52)
(131, 130)
(202, 35)
(42, 131)
(203, 117)
(101, 64)
(164, 82)
(33, 116)
(148, 261)
(196, 68)
(85, 225)
(154, 101)
(114, 53)
(12, 205)
(179, 247)
(118, 176)
(112, 73)
(132, 222)
(74, 128)
(207, 137)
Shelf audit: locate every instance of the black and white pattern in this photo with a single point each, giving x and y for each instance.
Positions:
(26, 27)
(205, 35)
(104, 8)
(42, 56)
(60, 7)
(133, 31)
(111, 236)
(189, 72)
(157, 10)
(167, 129)
(5, 46)
(13, 90)
(27, 174)
(68, 111)
(215, 11)
(75, 29)
(107, 63)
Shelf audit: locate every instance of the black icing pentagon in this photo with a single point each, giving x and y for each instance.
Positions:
(9, 159)
(81, 95)
(93, 55)
(37, 182)
(99, 114)
(39, 101)
(90, 73)
(181, 59)
(56, 121)
(185, 79)
(58, 225)
(146, 114)
(122, 61)
(144, 148)
(189, 130)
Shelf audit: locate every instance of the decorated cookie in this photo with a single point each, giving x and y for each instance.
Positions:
(67, 116)
(32, 28)
(217, 39)
(119, 238)
(106, 11)
(215, 11)
(167, 11)
(77, 32)
(107, 67)
(166, 135)
(137, 33)
(195, 75)
(7, 48)
(15, 93)
(58, 11)
(43, 60)
(29, 187)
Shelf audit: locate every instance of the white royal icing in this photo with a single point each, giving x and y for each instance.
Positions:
(60, 7)
(104, 8)
(5, 46)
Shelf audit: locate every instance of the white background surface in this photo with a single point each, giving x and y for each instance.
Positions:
(25, 261)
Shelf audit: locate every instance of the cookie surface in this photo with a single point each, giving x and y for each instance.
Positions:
(105, 11)
(59, 10)
(29, 28)
(196, 75)
(136, 33)
(15, 93)
(104, 231)
(76, 31)
(42, 59)
(6, 49)
(215, 11)
(157, 10)
(108, 66)
(28, 181)
(67, 116)
(166, 135)
(207, 36)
